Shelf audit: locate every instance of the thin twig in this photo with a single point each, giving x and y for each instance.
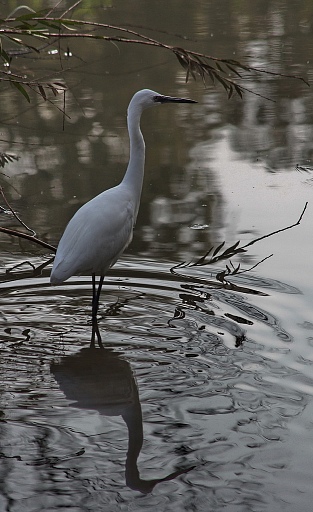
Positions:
(278, 230)
(53, 8)
(15, 214)
(37, 271)
(254, 266)
(30, 238)
(70, 9)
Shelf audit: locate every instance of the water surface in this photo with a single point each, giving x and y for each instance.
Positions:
(202, 398)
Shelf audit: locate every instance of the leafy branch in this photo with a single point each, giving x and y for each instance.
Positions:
(6, 158)
(50, 27)
(213, 256)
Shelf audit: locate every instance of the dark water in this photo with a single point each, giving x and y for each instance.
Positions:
(202, 398)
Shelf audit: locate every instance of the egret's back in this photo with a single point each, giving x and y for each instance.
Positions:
(96, 236)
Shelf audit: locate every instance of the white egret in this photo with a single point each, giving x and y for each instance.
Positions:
(101, 229)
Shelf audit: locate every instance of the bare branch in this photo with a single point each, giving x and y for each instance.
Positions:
(37, 271)
(14, 213)
(30, 238)
(278, 230)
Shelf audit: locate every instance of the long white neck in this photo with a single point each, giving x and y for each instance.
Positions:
(135, 170)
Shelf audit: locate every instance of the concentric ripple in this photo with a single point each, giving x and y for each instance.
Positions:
(196, 400)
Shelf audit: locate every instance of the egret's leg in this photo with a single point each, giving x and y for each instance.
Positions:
(95, 305)
(93, 320)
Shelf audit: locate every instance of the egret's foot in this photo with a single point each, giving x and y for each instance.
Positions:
(100, 342)
(95, 333)
(95, 305)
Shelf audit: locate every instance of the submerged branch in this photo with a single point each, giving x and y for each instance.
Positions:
(36, 271)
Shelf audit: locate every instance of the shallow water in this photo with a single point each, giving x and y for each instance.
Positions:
(196, 386)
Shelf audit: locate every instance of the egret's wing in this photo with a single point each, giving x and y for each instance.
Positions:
(96, 236)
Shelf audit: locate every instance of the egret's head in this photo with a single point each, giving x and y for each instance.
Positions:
(146, 98)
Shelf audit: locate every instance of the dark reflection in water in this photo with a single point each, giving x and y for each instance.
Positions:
(102, 380)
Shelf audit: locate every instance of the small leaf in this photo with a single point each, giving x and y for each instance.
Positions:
(231, 249)
(236, 270)
(4, 55)
(59, 85)
(201, 261)
(222, 81)
(237, 64)
(55, 25)
(20, 88)
(6, 158)
(42, 92)
(20, 43)
(219, 67)
(220, 276)
(218, 248)
(238, 90)
(181, 58)
(211, 75)
(233, 70)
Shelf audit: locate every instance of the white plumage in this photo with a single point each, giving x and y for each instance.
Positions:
(96, 236)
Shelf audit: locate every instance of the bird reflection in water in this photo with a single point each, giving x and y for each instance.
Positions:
(103, 381)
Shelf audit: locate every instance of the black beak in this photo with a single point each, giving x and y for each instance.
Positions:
(171, 99)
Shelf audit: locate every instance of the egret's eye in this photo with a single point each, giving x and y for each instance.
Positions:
(158, 99)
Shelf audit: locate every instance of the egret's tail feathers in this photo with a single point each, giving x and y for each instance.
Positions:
(55, 280)
(60, 273)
